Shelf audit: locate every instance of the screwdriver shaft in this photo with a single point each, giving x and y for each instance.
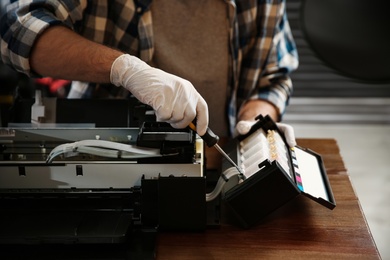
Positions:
(211, 139)
(221, 151)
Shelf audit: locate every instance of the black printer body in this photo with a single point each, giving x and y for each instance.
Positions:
(99, 187)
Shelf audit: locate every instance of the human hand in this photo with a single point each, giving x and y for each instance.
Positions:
(244, 126)
(175, 100)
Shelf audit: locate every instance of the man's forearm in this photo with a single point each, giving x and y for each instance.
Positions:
(62, 53)
(253, 108)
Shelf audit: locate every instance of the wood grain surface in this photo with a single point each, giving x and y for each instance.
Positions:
(302, 229)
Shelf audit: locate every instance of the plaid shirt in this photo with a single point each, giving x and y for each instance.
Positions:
(262, 50)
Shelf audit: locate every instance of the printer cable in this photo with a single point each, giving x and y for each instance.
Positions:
(102, 148)
(223, 179)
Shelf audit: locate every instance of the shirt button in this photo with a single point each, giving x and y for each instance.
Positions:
(139, 9)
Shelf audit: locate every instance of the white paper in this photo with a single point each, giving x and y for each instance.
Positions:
(311, 176)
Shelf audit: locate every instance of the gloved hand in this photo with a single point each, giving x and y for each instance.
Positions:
(175, 100)
(243, 128)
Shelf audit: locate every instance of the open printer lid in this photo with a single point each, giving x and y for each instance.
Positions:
(274, 174)
(310, 176)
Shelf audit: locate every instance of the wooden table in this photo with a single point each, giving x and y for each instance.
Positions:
(302, 229)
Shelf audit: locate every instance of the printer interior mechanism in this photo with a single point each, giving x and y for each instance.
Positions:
(120, 185)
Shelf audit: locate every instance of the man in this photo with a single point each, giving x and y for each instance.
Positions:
(236, 54)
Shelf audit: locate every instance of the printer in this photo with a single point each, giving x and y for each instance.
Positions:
(72, 184)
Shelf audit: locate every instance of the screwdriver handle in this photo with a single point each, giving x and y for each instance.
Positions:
(209, 137)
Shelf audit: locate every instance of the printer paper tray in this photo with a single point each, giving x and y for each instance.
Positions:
(85, 175)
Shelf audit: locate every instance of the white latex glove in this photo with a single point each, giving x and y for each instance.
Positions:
(175, 100)
(243, 128)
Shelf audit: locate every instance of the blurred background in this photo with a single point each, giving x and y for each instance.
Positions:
(342, 91)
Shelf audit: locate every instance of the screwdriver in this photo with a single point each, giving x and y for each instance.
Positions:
(212, 139)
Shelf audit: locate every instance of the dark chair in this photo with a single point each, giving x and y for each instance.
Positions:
(350, 36)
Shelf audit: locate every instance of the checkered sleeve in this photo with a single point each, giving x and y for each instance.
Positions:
(23, 21)
(275, 84)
